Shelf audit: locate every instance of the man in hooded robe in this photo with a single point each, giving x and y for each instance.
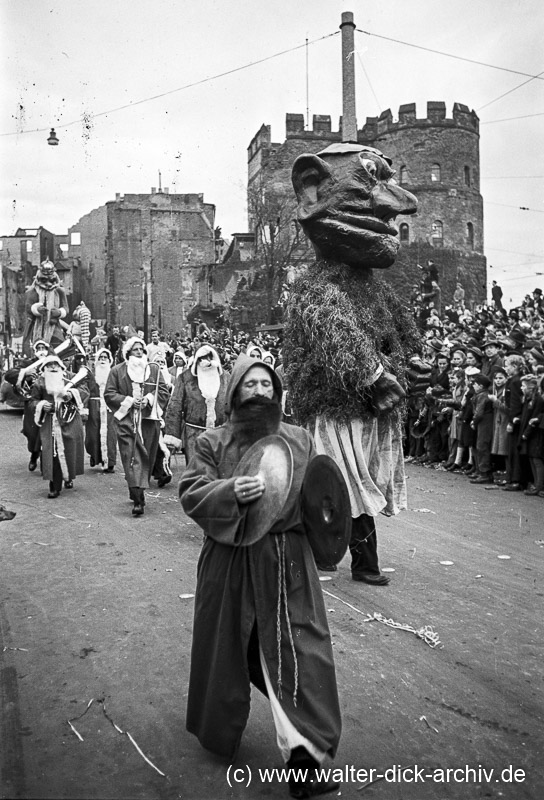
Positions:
(259, 610)
(179, 365)
(57, 412)
(137, 394)
(104, 446)
(198, 401)
(161, 469)
(22, 380)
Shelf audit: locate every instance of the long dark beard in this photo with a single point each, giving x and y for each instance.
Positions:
(254, 419)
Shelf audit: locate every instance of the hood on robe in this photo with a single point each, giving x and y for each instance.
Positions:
(206, 350)
(242, 365)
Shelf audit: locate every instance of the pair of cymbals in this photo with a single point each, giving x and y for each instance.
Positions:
(325, 504)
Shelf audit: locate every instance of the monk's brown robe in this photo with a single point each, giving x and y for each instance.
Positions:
(237, 590)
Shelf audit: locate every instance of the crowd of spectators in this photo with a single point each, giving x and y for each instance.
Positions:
(475, 403)
(476, 391)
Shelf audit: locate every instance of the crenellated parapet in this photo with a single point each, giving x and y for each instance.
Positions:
(462, 117)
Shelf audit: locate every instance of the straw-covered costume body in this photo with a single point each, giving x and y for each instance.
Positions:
(348, 338)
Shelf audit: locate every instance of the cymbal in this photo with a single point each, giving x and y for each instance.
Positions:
(272, 459)
(326, 510)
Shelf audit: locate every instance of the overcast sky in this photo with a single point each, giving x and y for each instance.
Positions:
(110, 76)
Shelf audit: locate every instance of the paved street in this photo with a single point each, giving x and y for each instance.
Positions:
(97, 606)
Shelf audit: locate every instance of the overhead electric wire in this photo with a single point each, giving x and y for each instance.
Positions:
(514, 89)
(510, 177)
(61, 126)
(519, 208)
(451, 55)
(509, 119)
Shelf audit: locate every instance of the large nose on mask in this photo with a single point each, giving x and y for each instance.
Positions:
(388, 200)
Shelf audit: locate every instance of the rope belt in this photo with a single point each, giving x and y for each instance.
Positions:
(282, 595)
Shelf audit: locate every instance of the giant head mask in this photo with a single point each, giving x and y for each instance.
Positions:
(347, 201)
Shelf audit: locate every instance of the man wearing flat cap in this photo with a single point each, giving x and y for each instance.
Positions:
(492, 357)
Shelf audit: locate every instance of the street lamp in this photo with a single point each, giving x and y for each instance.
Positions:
(52, 138)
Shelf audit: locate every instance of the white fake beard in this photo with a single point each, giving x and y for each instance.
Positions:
(208, 381)
(101, 372)
(136, 368)
(54, 382)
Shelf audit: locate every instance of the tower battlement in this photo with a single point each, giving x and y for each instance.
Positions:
(462, 117)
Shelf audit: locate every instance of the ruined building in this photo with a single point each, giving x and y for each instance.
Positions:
(141, 255)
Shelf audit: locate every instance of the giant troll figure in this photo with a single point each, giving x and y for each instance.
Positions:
(348, 337)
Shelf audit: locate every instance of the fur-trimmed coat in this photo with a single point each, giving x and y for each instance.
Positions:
(69, 446)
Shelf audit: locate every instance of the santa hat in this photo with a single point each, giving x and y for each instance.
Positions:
(51, 360)
(180, 354)
(206, 350)
(40, 341)
(254, 348)
(101, 352)
(129, 344)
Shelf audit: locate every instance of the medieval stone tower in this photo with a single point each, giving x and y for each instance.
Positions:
(436, 157)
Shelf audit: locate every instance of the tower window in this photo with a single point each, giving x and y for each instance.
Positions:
(470, 235)
(404, 232)
(403, 175)
(467, 176)
(435, 173)
(437, 233)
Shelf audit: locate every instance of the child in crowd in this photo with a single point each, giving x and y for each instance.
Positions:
(499, 444)
(531, 442)
(482, 424)
(513, 400)
(466, 433)
(452, 407)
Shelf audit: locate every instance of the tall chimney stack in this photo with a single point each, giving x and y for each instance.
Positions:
(349, 116)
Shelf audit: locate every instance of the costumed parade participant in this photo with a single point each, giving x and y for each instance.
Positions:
(22, 380)
(259, 611)
(46, 307)
(57, 408)
(348, 338)
(80, 327)
(161, 471)
(137, 394)
(101, 439)
(179, 366)
(198, 401)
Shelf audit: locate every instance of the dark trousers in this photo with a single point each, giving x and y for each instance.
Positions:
(56, 484)
(363, 546)
(137, 495)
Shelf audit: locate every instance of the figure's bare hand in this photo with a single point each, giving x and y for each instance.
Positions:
(248, 489)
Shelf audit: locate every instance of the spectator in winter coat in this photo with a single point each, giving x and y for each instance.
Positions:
(531, 441)
(499, 445)
(513, 397)
(482, 423)
(492, 357)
